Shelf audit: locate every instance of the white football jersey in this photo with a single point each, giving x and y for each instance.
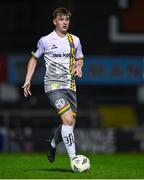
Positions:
(59, 55)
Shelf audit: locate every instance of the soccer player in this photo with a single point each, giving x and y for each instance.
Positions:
(63, 57)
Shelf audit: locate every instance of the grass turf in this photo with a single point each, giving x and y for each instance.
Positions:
(103, 166)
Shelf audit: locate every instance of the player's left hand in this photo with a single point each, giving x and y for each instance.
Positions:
(77, 71)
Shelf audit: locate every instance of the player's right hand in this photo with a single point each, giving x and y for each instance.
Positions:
(26, 88)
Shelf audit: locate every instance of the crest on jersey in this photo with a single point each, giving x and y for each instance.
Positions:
(54, 46)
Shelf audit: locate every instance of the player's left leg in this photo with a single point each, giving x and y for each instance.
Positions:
(52, 144)
(68, 117)
(67, 133)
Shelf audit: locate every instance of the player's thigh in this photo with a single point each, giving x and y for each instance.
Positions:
(59, 101)
(71, 96)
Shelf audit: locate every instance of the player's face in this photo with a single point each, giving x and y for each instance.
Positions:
(62, 23)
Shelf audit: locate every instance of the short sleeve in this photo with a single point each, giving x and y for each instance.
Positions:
(40, 49)
(78, 50)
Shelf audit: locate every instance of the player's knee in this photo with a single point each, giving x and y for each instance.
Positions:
(69, 121)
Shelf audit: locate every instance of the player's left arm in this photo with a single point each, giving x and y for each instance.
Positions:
(77, 71)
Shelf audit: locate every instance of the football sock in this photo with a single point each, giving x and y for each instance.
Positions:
(68, 139)
(57, 137)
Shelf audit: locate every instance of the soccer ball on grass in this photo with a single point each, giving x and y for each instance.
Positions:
(80, 163)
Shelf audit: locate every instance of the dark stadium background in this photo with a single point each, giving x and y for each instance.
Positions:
(110, 94)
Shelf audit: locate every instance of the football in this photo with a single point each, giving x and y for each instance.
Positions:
(80, 163)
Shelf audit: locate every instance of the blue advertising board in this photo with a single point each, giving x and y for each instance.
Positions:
(17, 66)
(112, 70)
(99, 70)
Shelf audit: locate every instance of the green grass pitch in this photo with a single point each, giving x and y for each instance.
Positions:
(103, 166)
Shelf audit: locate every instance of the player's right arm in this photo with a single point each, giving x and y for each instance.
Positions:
(30, 71)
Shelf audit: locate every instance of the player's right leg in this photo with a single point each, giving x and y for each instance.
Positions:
(65, 103)
(51, 152)
(57, 100)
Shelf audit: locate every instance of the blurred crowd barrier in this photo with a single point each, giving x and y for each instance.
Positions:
(93, 140)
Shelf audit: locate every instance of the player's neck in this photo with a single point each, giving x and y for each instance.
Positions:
(60, 34)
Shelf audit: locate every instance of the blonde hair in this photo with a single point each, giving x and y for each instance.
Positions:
(60, 12)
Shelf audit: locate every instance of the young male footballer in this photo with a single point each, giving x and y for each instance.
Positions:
(63, 57)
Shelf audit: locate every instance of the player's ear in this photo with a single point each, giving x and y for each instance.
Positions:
(54, 21)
